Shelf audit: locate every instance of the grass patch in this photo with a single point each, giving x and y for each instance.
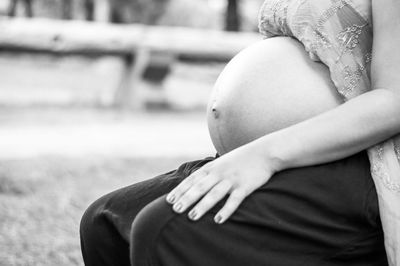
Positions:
(43, 199)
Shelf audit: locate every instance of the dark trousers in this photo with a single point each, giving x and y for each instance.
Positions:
(318, 215)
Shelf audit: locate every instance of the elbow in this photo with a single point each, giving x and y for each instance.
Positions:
(386, 96)
(388, 101)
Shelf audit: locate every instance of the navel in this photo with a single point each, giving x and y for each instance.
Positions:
(215, 111)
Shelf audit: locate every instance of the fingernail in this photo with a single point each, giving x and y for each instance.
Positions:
(171, 199)
(192, 214)
(218, 219)
(178, 207)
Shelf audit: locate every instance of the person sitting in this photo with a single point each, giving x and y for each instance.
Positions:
(291, 183)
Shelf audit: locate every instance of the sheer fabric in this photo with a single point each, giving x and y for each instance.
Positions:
(339, 34)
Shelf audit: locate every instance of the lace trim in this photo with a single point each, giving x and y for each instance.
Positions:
(397, 149)
(378, 168)
(348, 38)
(273, 18)
(321, 41)
(368, 57)
(330, 12)
(351, 79)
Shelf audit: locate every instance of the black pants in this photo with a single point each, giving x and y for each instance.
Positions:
(319, 215)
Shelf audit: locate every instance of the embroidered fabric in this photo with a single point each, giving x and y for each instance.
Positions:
(339, 34)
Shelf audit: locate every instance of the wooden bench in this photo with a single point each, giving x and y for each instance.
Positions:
(135, 43)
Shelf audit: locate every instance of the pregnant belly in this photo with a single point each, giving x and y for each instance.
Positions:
(268, 86)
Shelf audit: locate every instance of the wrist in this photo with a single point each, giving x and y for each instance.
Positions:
(272, 149)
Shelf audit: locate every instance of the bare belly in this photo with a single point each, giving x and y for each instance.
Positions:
(268, 86)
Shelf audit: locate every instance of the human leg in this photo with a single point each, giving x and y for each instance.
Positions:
(106, 224)
(318, 215)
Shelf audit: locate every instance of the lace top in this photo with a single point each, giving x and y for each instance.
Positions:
(339, 34)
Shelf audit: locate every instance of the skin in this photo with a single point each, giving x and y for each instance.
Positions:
(337, 133)
(270, 85)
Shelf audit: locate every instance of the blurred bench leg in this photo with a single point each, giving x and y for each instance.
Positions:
(89, 10)
(127, 94)
(142, 80)
(28, 8)
(12, 8)
(66, 9)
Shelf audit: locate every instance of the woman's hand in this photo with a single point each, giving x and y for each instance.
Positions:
(237, 173)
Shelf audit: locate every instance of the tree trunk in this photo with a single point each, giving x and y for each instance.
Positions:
(12, 8)
(232, 19)
(89, 10)
(115, 15)
(67, 9)
(28, 8)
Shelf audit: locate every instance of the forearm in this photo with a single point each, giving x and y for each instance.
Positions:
(353, 126)
(357, 124)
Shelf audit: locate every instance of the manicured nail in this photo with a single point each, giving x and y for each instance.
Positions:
(192, 214)
(218, 219)
(178, 207)
(171, 199)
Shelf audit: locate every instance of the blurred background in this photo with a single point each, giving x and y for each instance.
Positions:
(96, 95)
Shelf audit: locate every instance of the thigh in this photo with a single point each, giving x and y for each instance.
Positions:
(120, 207)
(319, 215)
(105, 226)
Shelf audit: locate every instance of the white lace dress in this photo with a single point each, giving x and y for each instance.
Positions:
(339, 34)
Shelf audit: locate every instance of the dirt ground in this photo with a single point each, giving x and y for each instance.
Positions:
(29, 133)
(55, 161)
(42, 200)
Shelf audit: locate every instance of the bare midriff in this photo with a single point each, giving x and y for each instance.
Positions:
(269, 86)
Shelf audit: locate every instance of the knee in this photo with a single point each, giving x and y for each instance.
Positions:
(147, 226)
(91, 222)
(151, 219)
